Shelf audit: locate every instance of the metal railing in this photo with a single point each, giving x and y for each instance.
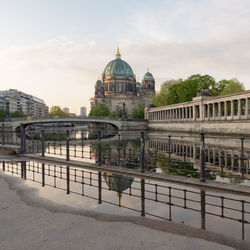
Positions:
(145, 194)
(191, 163)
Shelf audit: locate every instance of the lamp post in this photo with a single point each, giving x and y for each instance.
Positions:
(7, 109)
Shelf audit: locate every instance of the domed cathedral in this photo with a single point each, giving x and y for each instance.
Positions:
(118, 85)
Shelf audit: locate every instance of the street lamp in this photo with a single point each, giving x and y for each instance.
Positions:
(7, 109)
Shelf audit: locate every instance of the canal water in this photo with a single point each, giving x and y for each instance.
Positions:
(227, 159)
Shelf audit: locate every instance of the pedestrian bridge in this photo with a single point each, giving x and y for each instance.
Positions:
(122, 125)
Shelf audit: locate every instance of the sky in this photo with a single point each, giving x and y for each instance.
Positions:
(57, 49)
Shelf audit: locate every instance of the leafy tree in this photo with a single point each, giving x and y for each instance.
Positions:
(57, 111)
(137, 113)
(15, 114)
(177, 91)
(232, 86)
(113, 114)
(2, 113)
(162, 97)
(100, 109)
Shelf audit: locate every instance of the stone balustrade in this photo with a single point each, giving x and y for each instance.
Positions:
(204, 108)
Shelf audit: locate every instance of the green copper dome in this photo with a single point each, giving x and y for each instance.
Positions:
(148, 75)
(138, 85)
(98, 82)
(118, 67)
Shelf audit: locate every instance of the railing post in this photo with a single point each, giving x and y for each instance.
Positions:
(142, 152)
(203, 209)
(99, 149)
(68, 180)
(242, 158)
(202, 161)
(169, 151)
(21, 135)
(3, 134)
(24, 141)
(22, 169)
(43, 174)
(99, 187)
(142, 197)
(3, 165)
(42, 138)
(119, 144)
(67, 145)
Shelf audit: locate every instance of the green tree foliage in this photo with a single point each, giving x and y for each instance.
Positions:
(57, 111)
(137, 113)
(232, 86)
(177, 91)
(2, 113)
(113, 114)
(100, 109)
(12, 114)
(162, 97)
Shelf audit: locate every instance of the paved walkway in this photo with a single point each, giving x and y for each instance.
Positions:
(29, 222)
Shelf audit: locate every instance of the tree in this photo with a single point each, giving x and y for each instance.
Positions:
(2, 113)
(57, 111)
(162, 97)
(15, 114)
(232, 86)
(137, 113)
(100, 109)
(178, 91)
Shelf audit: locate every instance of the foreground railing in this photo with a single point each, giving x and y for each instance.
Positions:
(216, 212)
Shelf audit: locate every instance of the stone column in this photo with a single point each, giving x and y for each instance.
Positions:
(219, 110)
(213, 111)
(232, 160)
(232, 109)
(194, 113)
(239, 108)
(247, 107)
(219, 156)
(225, 159)
(225, 110)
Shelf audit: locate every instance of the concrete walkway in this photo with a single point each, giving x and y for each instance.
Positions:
(29, 222)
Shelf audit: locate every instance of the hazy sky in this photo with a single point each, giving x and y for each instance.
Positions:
(57, 49)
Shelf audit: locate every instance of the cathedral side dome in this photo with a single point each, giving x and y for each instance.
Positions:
(148, 75)
(98, 82)
(118, 67)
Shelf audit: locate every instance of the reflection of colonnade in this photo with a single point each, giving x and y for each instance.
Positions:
(215, 155)
(204, 107)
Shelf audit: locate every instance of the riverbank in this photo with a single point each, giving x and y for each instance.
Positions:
(29, 222)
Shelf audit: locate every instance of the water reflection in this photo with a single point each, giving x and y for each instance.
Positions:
(118, 183)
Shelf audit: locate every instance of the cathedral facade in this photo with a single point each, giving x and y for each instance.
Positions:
(118, 88)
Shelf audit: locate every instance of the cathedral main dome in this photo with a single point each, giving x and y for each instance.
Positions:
(118, 67)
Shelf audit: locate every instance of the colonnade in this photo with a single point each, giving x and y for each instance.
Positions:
(204, 108)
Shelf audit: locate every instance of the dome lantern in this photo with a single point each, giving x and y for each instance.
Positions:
(118, 55)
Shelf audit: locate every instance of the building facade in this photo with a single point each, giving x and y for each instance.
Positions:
(66, 110)
(118, 86)
(24, 103)
(83, 111)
